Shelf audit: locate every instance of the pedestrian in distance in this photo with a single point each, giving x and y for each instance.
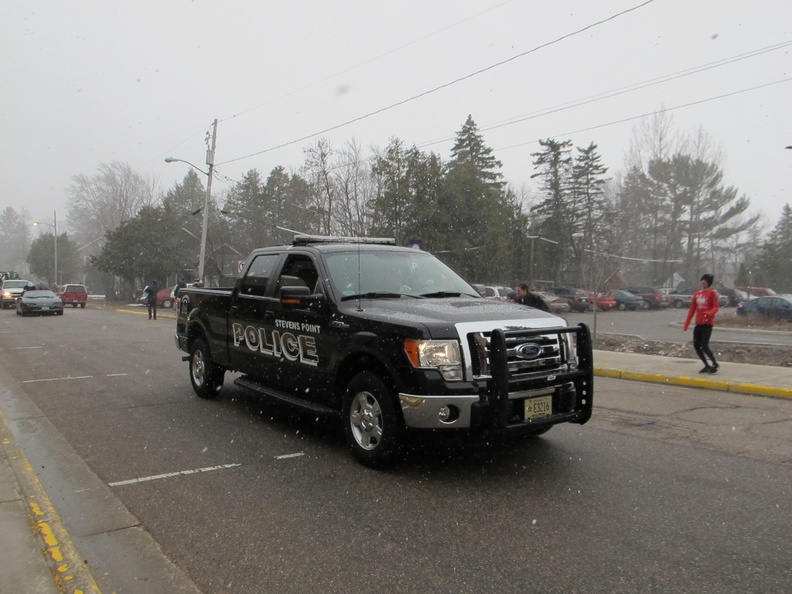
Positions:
(704, 306)
(526, 297)
(179, 286)
(151, 291)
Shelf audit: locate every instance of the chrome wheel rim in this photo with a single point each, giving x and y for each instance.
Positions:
(198, 368)
(365, 419)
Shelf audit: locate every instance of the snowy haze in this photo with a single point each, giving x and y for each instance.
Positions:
(89, 82)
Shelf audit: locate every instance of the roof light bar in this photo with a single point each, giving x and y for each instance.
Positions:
(308, 239)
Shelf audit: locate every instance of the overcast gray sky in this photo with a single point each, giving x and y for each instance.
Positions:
(90, 82)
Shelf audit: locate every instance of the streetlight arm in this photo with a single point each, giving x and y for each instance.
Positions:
(174, 160)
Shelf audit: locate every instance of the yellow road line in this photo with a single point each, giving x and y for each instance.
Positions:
(692, 382)
(69, 572)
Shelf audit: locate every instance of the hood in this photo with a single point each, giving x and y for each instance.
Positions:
(441, 316)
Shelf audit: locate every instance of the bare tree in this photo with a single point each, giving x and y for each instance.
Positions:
(101, 202)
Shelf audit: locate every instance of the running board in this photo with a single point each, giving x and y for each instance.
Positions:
(256, 387)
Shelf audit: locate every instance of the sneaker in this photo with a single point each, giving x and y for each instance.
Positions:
(714, 368)
(707, 369)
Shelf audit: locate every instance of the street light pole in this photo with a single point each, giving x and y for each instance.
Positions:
(209, 174)
(55, 241)
(205, 226)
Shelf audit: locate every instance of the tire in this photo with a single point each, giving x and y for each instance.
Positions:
(74, 305)
(644, 305)
(82, 305)
(167, 304)
(371, 425)
(206, 377)
(621, 307)
(678, 304)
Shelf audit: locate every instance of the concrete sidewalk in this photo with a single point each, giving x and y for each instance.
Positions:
(742, 378)
(37, 556)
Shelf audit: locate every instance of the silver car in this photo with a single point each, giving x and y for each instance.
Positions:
(42, 301)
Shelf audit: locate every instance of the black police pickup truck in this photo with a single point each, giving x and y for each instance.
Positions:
(388, 338)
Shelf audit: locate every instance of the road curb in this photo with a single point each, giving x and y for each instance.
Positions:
(691, 382)
(69, 573)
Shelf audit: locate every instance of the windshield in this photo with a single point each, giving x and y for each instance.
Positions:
(394, 273)
(15, 284)
(39, 294)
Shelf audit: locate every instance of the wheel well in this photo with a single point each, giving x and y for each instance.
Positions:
(194, 332)
(353, 365)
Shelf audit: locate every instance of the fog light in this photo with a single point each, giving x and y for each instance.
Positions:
(448, 413)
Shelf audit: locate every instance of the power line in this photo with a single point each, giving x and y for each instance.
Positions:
(620, 91)
(370, 60)
(446, 85)
(646, 115)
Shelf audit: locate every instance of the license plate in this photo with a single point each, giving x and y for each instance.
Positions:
(538, 407)
(45, 308)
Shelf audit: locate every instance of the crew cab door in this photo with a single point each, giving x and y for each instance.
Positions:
(250, 319)
(307, 342)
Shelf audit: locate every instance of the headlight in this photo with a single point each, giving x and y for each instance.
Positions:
(571, 344)
(443, 355)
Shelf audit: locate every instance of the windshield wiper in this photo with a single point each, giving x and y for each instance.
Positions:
(372, 295)
(445, 294)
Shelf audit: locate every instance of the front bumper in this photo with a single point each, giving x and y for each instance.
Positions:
(498, 402)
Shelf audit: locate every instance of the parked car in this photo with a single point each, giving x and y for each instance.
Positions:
(73, 295)
(41, 301)
(606, 302)
(682, 296)
(493, 291)
(734, 296)
(164, 298)
(555, 303)
(653, 297)
(757, 291)
(13, 288)
(626, 300)
(578, 298)
(775, 307)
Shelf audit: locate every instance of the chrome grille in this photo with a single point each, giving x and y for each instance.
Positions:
(549, 349)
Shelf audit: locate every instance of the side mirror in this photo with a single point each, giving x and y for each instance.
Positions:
(299, 297)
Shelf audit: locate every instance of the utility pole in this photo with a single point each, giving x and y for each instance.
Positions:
(204, 229)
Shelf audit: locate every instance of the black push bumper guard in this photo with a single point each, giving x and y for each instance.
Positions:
(572, 390)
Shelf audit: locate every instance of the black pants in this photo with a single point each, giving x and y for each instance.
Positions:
(701, 338)
(152, 308)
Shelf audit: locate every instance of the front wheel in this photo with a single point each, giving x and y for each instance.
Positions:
(371, 425)
(167, 304)
(205, 375)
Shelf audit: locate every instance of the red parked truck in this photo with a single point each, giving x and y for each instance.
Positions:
(73, 295)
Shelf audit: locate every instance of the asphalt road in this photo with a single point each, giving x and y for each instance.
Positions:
(665, 325)
(666, 489)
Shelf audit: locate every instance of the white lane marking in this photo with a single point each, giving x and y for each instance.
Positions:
(71, 377)
(27, 347)
(56, 379)
(171, 475)
(295, 455)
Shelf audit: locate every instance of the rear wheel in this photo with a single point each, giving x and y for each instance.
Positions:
(82, 305)
(167, 304)
(205, 375)
(621, 307)
(371, 424)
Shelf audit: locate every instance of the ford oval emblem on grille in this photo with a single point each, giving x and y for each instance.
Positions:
(529, 350)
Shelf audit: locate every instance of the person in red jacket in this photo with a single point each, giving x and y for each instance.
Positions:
(705, 306)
